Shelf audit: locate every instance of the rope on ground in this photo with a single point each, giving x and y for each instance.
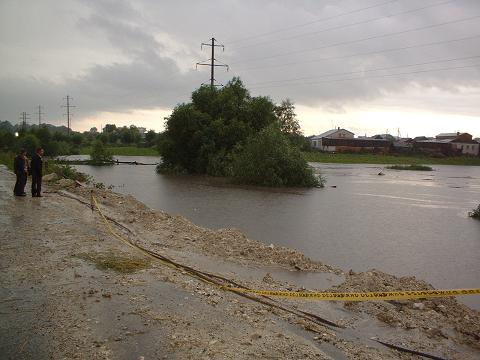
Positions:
(409, 351)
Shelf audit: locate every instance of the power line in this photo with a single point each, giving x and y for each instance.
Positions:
(364, 53)
(365, 71)
(374, 76)
(360, 40)
(313, 22)
(348, 25)
(68, 114)
(39, 113)
(212, 63)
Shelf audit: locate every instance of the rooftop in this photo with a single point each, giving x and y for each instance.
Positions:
(331, 132)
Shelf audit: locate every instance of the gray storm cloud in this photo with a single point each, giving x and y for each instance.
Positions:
(124, 55)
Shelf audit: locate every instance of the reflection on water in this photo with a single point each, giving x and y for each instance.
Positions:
(405, 223)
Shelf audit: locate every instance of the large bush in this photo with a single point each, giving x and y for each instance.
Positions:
(205, 135)
(269, 159)
(200, 135)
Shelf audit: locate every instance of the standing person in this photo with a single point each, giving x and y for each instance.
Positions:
(36, 168)
(20, 166)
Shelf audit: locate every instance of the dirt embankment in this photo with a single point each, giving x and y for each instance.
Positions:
(179, 233)
(73, 286)
(441, 321)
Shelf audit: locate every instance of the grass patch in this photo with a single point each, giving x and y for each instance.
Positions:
(6, 158)
(117, 262)
(475, 213)
(66, 172)
(124, 151)
(410, 167)
(389, 159)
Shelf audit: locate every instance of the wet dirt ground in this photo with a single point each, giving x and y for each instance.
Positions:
(56, 302)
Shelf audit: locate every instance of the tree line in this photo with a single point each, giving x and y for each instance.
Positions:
(56, 141)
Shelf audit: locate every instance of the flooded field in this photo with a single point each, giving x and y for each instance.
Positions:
(405, 223)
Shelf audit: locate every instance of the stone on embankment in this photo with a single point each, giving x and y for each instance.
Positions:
(64, 183)
(50, 177)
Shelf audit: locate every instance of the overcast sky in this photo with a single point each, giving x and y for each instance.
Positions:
(370, 66)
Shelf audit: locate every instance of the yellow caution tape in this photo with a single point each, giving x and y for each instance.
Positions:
(332, 296)
(363, 296)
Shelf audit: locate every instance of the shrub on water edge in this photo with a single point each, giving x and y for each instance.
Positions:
(269, 159)
(100, 154)
(66, 172)
(475, 213)
(410, 167)
(99, 185)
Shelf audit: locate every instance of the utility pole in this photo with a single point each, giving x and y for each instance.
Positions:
(24, 117)
(212, 62)
(68, 114)
(39, 113)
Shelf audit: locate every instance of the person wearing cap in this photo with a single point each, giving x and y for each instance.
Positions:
(36, 168)
(20, 167)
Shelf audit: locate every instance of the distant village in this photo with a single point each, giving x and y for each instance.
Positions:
(444, 144)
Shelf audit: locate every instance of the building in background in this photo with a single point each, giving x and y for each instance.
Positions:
(449, 144)
(342, 140)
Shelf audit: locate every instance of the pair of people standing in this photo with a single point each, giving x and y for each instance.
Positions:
(22, 170)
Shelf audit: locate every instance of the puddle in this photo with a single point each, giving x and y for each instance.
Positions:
(309, 280)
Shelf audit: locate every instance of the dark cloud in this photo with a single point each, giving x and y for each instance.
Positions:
(145, 53)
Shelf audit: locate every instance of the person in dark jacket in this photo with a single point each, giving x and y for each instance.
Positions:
(36, 167)
(20, 167)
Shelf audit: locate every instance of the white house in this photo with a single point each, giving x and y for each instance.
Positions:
(338, 133)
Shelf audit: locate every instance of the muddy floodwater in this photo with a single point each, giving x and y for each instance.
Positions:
(404, 223)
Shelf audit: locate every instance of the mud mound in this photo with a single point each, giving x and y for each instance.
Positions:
(438, 318)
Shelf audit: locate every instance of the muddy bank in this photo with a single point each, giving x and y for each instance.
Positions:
(178, 233)
(83, 294)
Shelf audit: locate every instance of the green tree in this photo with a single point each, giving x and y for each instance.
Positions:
(129, 135)
(77, 139)
(205, 136)
(112, 137)
(103, 138)
(58, 136)
(44, 135)
(285, 113)
(213, 123)
(100, 154)
(290, 126)
(150, 138)
(181, 146)
(269, 159)
(7, 140)
(109, 128)
(135, 133)
(30, 143)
